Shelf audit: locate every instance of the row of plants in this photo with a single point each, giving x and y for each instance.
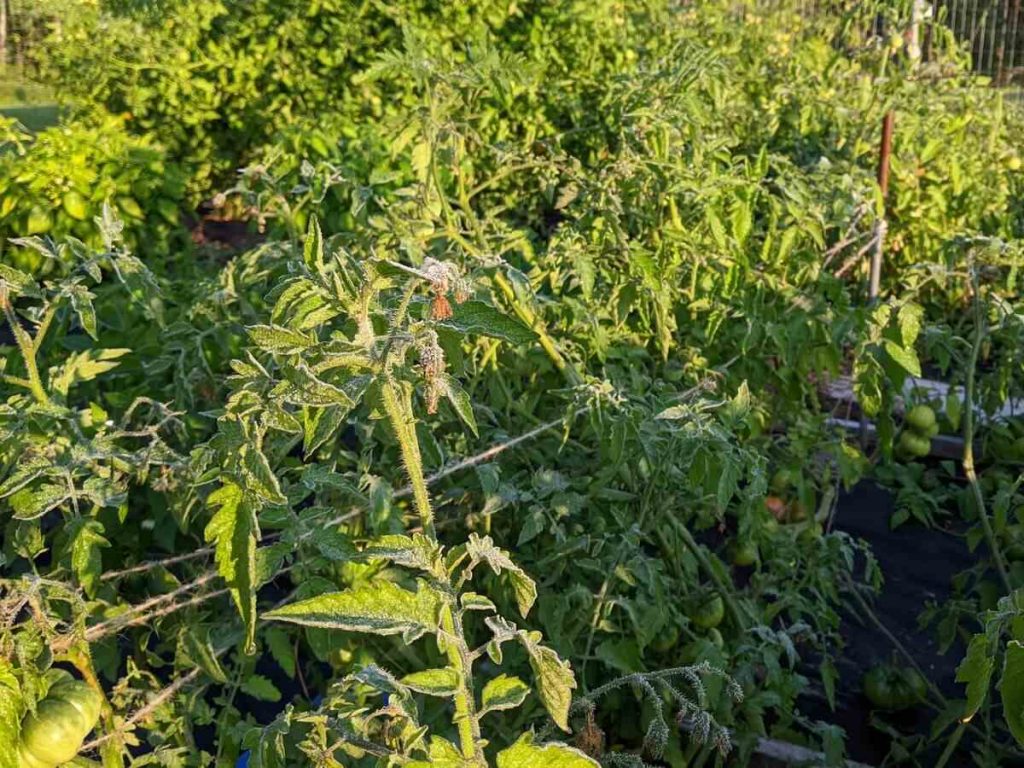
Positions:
(553, 312)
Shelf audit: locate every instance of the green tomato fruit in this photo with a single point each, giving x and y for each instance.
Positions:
(744, 553)
(709, 613)
(890, 687)
(781, 481)
(54, 733)
(666, 639)
(82, 697)
(812, 532)
(914, 445)
(921, 418)
(716, 638)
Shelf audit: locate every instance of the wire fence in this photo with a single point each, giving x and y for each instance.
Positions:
(991, 31)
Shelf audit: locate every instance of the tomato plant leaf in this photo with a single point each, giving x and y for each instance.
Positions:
(503, 692)
(433, 682)
(554, 679)
(234, 530)
(482, 549)
(1011, 687)
(378, 607)
(478, 317)
(525, 754)
(976, 671)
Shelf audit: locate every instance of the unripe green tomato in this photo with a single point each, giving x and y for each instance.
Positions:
(921, 418)
(914, 445)
(79, 695)
(781, 480)
(709, 613)
(716, 637)
(812, 532)
(54, 734)
(744, 553)
(666, 639)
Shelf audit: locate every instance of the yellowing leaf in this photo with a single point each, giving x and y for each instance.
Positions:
(433, 682)
(503, 692)
(525, 754)
(378, 607)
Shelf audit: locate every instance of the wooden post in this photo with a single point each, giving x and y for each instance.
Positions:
(884, 152)
(875, 273)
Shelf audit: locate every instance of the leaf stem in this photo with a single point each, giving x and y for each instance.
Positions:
(968, 459)
(28, 350)
(398, 406)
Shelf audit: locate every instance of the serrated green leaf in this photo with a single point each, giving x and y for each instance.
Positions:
(279, 643)
(976, 671)
(22, 475)
(234, 530)
(525, 754)
(416, 551)
(319, 426)
(84, 366)
(1012, 688)
(503, 692)
(313, 247)
(378, 607)
(461, 402)
(19, 283)
(482, 549)
(909, 320)
(259, 477)
(279, 340)
(33, 502)
(433, 682)
(906, 358)
(260, 688)
(199, 651)
(480, 318)
(554, 679)
(85, 541)
(471, 601)
(302, 387)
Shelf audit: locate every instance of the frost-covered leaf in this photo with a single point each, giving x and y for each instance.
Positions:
(433, 682)
(416, 551)
(234, 530)
(259, 477)
(378, 607)
(525, 754)
(85, 541)
(32, 502)
(471, 601)
(482, 549)
(503, 692)
(554, 679)
(280, 340)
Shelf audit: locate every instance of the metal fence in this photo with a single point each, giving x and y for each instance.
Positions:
(992, 31)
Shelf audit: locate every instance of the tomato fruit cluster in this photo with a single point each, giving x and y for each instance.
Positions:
(891, 687)
(54, 733)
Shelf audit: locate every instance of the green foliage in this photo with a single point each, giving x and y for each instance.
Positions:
(545, 294)
(56, 182)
